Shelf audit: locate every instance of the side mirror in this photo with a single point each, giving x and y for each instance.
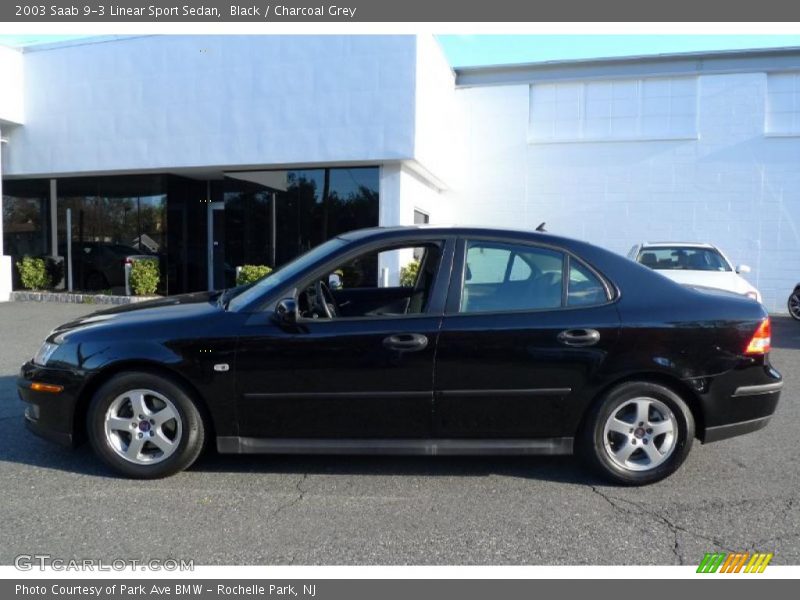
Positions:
(334, 281)
(742, 269)
(286, 311)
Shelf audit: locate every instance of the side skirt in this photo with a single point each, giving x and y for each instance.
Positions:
(429, 447)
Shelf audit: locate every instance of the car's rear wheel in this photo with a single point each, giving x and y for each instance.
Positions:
(794, 304)
(96, 281)
(637, 433)
(145, 425)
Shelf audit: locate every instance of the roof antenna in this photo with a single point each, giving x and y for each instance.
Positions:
(541, 228)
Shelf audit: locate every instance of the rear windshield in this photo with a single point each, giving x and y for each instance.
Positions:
(682, 258)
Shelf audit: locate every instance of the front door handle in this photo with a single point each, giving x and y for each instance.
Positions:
(406, 342)
(579, 337)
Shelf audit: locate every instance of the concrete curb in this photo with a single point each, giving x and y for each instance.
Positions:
(67, 298)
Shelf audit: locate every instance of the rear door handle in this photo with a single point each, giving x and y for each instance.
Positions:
(406, 342)
(579, 337)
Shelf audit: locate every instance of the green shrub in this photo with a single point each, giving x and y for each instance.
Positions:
(408, 274)
(144, 277)
(252, 273)
(33, 273)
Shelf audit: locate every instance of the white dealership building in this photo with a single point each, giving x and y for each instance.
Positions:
(219, 151)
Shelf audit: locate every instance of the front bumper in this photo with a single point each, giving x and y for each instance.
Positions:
(50, 415)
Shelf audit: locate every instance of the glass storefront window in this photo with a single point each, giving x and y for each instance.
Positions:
(271, 217)
(112, 218)
(26, 217)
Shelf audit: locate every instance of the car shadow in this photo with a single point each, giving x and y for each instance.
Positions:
(560, 469)
(785, 333)
(20, 446)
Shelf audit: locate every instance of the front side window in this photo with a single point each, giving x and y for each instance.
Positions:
(508, 277)
(389, 282)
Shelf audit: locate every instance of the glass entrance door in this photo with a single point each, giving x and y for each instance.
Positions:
(222, 275)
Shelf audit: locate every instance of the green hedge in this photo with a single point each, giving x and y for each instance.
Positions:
(252, 273)
(408, 274)
(33, 273)
(145, 275)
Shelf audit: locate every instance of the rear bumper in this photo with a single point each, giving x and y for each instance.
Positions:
(723, 432)
(740, 402)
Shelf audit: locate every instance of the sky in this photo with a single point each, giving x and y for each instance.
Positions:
(475, 50)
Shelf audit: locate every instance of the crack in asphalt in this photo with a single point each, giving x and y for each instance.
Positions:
(674, 528)
(298, 498)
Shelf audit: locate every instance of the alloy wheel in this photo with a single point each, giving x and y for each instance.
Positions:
(794, 305)
(143, 426)
(640, 434)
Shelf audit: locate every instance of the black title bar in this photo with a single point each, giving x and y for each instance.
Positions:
(464, 11)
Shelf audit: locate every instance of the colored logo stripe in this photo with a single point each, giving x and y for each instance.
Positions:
(733, 562)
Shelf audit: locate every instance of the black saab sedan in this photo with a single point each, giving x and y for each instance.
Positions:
(418, 340)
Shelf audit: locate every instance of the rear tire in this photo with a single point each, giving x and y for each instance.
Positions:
(637, 433)
(145, 426)
(96, 281)
(794, 304)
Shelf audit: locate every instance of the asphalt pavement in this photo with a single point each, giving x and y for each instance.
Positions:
(734, 495)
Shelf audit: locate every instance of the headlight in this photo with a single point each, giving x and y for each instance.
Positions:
(44, 354)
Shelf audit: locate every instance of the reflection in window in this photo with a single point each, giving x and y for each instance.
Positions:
(25, 217)
(112, 218)
(271, 217)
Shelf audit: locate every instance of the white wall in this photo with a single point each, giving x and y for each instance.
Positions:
(401, 192)
(435, 111)
(731, 186)
(164, 102)
(11, 86)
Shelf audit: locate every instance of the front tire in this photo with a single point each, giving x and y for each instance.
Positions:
(145, 426)
(794, 304)
(637, 433)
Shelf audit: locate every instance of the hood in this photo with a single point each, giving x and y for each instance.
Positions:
(723, 280)
(150, 312)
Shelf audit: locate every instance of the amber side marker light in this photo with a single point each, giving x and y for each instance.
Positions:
(760, 342)
(37, 386)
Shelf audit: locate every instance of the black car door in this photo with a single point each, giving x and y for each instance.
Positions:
(347, 377)
(525, 329)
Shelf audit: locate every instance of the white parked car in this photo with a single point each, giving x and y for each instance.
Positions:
(701, 265)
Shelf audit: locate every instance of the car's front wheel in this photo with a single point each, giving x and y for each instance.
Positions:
(794, 304)
(637, 433)
(144, 425)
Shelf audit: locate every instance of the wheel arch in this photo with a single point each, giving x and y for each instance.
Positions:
(141, 366)
(671, 382)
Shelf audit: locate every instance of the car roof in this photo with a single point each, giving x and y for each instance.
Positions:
(402, 231)
(676, 244)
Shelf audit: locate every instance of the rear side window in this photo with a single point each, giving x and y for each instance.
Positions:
(584, 287)
(506, 277)
(502, 277)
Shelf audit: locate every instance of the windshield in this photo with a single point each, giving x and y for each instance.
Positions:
(683, 258)
(286, 272)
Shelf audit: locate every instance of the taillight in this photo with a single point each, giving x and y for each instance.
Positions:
(760, 342)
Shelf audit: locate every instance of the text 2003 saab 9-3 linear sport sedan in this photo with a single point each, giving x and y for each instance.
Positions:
(500, 342)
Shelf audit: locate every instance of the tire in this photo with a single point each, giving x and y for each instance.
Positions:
(169, 438)
(617, 443)
(96, 281)
(794, 304)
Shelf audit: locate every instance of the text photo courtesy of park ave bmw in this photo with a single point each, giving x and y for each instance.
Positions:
(337, 308)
